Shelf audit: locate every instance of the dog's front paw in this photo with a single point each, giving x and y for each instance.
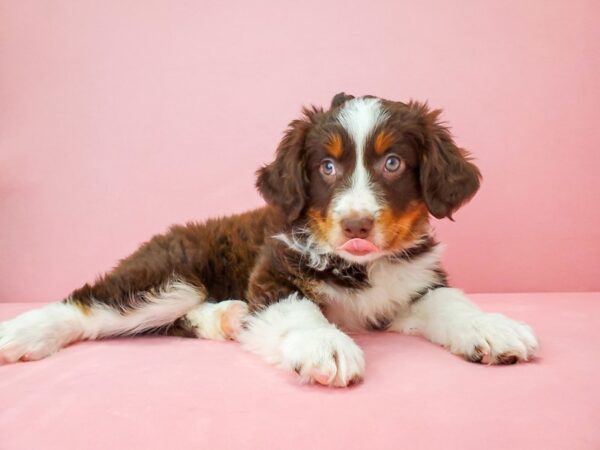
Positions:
(494, 339)
(323, 355)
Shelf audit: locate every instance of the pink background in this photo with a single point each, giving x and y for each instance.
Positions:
(119, 118)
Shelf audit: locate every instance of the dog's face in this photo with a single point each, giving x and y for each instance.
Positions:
(361, 179)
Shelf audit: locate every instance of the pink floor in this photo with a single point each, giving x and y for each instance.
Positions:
(158, 393)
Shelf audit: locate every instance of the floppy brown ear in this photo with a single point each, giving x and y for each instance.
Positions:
(448, 177)
(284, 182)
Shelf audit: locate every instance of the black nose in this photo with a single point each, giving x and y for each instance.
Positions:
(357, 227)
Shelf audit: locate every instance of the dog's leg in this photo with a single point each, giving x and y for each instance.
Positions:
(40, 332)
(446, 317)
(295, 335)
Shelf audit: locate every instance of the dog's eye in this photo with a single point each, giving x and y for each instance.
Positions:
(392, 163)
(328, 168)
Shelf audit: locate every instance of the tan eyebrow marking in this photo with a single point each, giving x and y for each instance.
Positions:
(334, 146)
(383, 142)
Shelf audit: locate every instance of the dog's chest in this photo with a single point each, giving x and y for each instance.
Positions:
(391, 287)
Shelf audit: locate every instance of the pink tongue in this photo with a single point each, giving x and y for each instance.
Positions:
(359, 247)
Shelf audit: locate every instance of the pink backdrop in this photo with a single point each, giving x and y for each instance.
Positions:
(119, 118)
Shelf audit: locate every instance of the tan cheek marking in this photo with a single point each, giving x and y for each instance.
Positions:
(320, 225)
(383, 141)
(399, 229)
(334, 146)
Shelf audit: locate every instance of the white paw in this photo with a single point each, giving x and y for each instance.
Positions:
(218, 321)
(323, 355)
(19, 340)
(494, 339)
(232, 319)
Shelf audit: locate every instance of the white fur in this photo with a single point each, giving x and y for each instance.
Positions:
(170, 303)
(360, 117)
(295, 335)
(445, 316)
(392, 287)
(208, 318)
(40, 332)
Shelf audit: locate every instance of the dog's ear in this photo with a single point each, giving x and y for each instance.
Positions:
(340, 99)
(284, 182)
(448, 177)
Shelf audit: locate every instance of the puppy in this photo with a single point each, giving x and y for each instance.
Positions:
(343, 245)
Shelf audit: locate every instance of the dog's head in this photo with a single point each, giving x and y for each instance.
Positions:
(360, 179)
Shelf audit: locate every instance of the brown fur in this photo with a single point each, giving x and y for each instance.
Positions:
(216, 257)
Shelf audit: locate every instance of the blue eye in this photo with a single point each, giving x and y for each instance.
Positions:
(392, 163)
(328, 168)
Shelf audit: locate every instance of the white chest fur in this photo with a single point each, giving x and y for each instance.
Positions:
(392, 285)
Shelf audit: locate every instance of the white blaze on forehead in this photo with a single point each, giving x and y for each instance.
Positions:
(359, 117)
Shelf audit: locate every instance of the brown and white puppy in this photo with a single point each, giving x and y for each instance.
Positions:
(343, 245)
